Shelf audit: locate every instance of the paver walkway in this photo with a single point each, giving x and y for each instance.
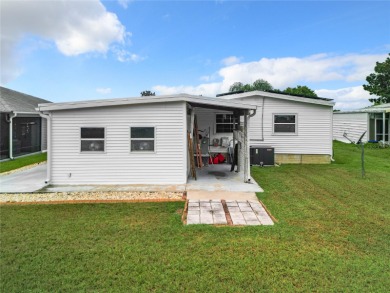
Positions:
(241, 212)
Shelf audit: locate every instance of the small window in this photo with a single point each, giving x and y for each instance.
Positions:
(142, 139)
(224, 123)
(285, 123)
(92, 139)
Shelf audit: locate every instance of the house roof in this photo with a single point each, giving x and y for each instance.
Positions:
(318, 101)
(196, 100)
(13, 101)
(383, 108)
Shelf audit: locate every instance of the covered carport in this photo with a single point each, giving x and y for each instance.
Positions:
(225, 124)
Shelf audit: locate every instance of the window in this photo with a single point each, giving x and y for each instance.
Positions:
(224, 123)
(92, 139)
(379, 129)
(142, 139)
(285, 123)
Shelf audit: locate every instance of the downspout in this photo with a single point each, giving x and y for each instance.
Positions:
(48, 170)
(262, 121)
(331, 135)
(11, 117)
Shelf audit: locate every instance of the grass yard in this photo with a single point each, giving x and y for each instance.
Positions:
(21, 162)
(333, 234)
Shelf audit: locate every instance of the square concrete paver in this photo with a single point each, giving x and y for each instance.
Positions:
(242, 212)
(193, 219)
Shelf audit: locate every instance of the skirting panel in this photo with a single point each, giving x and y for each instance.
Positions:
(301, 159)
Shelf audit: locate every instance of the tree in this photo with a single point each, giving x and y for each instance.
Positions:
(147, 93)
(237, 86)
(258, 85)
(262, 85)
(300, 90)
(379, 83)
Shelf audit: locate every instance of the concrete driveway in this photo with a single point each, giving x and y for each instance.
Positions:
(28, 180)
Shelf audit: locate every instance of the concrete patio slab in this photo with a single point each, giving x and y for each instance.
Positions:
(219, 178)
(218, 195)
(28, 180)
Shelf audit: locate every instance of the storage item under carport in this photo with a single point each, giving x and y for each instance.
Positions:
(262, 155)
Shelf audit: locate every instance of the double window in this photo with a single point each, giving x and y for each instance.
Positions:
(142, 139)
(285, 123)
(224, 123)
(92, 139)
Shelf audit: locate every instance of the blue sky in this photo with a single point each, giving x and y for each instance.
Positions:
(77, 50)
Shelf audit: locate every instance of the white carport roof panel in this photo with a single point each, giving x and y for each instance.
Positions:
(372, 109)
(318, 101)
(146, 100)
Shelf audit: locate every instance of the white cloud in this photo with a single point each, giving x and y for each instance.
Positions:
(203, 89)
(291, 71)
(124, 3)
(230, 60)
(76, 27)
(123, 55)
(347, 98)
(103, 90)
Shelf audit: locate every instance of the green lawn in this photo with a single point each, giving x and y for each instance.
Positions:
(332, 235)
(21, 162)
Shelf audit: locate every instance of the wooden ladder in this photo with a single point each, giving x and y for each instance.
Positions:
(191, 154)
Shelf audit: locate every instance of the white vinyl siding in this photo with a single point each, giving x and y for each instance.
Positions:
(352, 124)
(167, 165)
(313, 131)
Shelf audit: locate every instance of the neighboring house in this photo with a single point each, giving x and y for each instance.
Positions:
(132, 140)
(298, 128)
(375, 121)
(22, 122)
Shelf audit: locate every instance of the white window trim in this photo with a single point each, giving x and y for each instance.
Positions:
(215, 124)
(104, 139)
(154, 139)
(384, 134)
(285, 133)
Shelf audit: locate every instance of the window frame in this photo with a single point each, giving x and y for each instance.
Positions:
(150, 139)
(384, 134)
(104, 140)
(285, 133)
(215, 123)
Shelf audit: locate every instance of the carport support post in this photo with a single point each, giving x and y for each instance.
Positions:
(11, 147)
(388, 129)
(246, 147)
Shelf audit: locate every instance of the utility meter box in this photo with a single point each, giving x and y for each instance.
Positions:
(262, 156)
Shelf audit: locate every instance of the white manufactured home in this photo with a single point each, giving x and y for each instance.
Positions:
(130, 141)
(146, 140)
(374, 121)
(299, 129)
